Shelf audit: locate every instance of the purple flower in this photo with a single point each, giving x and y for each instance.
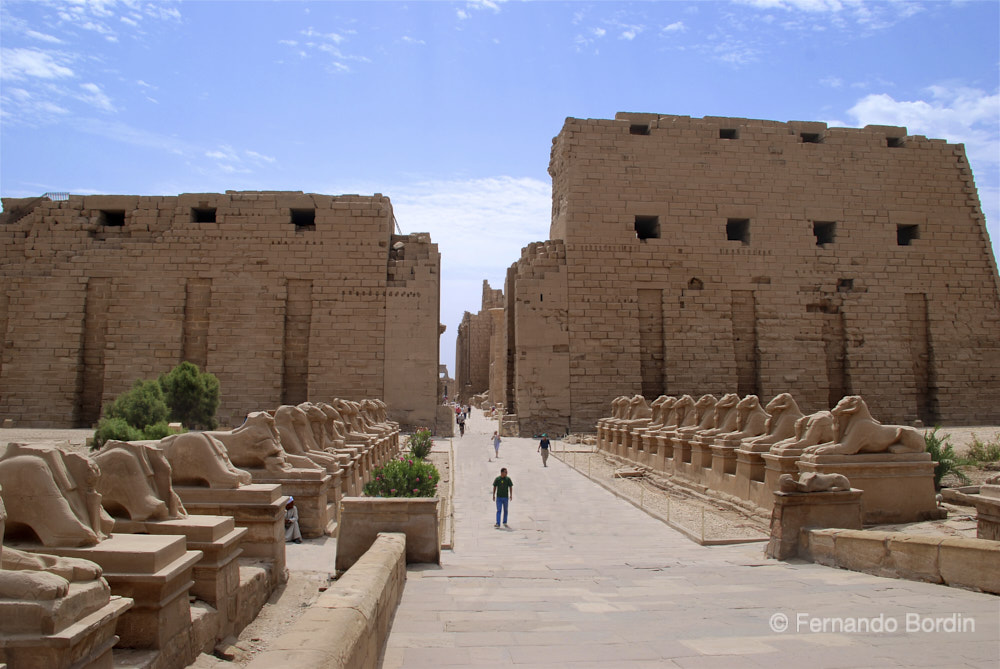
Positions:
(414, 490)
(393, 491)
(410, 461)
(418, 480)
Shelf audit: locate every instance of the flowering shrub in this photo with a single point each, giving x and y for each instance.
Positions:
(405, 477)
(419, 443)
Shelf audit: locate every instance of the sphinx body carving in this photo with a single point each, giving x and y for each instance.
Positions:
(783, 413)
(257, 445)
(858, 432)
(813, 482)
(198, 459)
(53, 493)
(816, 428)
(38, 577)
(136, 483)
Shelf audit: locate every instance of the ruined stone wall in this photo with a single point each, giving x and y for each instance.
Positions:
(284, 296)
(413, 312)
(473, 346)
(724, 254)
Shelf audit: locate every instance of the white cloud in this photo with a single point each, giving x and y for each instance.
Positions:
(599, 32)
(19, 64)
(461, 14)
(480, 225)
(832, 82)
(958, 114)
(676, 26)
(630, 32)
(93, 95)
(406, 39)
(43, 37)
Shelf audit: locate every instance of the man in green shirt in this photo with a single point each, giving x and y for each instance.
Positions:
(503, 492)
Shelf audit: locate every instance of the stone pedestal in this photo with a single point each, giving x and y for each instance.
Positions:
(364, 517)
(217, 574)
(988, 512)
(259, 507)
(723, 475)
(316, 494)
(750, 476)
(899, 488)
(774, 467)
(701, 459)
(793, 511)
(77, 630)
(155, 571)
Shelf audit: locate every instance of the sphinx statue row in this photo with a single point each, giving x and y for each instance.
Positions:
(131, 503)
(739, 447)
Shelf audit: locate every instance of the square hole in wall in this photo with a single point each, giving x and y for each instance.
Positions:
(824, 232)
(647, 227)
(639, 129)
(895, 142)
(728, 133)
(112, 218)
(811, 138)
(304, 219)
(738, 230)
(203, 214)
(905, 234)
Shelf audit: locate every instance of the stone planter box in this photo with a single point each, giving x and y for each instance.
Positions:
(362, 518)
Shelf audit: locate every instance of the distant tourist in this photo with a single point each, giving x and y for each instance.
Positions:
(292, 532)
(461, 424)
(496, 444)
(503, 492)
(543, 448)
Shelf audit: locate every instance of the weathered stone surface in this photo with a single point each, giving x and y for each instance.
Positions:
(363, 518)
(271, 291)
(682, 261)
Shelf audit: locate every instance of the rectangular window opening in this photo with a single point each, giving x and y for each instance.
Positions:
(895, 142)
(738, 230)
(304, 219)
(728, 133)
(905, 234)
(825, 231)
(112, 218)
(203, 214)
(639, 129)
(811, 138)
(647, 227)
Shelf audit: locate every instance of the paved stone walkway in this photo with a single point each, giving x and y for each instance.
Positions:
(584, 579)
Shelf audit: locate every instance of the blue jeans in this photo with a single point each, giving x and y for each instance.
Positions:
(502, 505)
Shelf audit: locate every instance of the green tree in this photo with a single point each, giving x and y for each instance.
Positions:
(191, 395)
(141, 406)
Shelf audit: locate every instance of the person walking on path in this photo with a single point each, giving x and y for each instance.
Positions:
(496, 444)
(503, 492)
(543, 448)
(461, 424)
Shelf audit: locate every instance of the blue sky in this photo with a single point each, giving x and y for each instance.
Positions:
(449, 108)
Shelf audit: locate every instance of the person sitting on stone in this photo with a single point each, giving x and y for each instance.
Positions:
(292, 532)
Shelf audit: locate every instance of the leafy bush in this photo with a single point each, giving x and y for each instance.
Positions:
(944, 455)
(983, 451)
(191, 395)
(143, 405)
(420, 443)
(406, 477)
(118, 429)
(114, 429)
(158, 431)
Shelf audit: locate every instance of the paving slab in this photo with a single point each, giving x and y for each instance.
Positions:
(582, 578)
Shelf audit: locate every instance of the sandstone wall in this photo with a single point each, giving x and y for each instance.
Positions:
(284, 296)
(473, 346)
(706, 255)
